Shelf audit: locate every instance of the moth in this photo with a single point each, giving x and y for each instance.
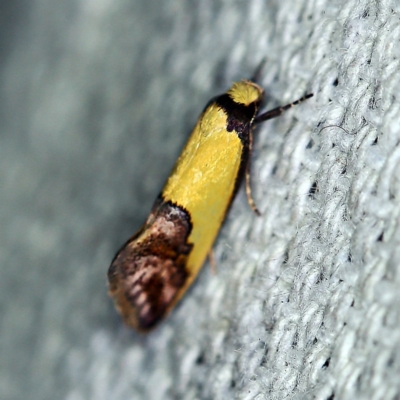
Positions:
(155, 267)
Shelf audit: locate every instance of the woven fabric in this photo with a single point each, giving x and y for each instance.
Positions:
(97, 98)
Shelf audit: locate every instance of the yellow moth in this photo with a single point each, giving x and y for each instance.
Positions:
(155, 267)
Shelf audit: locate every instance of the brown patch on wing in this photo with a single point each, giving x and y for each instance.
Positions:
(239, 116)
(150, 269)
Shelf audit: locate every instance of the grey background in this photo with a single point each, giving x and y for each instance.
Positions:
(98, 97)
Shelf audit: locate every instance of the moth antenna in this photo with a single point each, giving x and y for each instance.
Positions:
(276, 112)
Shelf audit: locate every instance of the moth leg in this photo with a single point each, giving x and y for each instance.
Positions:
(212, 262)
(250, 200)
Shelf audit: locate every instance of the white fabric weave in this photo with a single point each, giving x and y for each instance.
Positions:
(97, 99)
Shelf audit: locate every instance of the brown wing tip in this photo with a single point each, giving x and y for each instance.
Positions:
(149, 273)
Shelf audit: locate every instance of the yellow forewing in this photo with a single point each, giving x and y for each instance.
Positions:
(203, 182)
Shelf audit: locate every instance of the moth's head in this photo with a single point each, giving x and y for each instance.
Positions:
(245, 92)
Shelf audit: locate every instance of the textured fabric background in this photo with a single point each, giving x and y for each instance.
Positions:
(97, 98)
